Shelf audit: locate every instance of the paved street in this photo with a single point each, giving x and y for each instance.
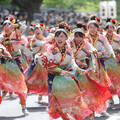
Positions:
(10, 109)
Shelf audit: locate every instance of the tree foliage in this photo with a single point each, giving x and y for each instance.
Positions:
(5, 2)
(81, 5)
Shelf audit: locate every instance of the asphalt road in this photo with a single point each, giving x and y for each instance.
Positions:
(10, 109)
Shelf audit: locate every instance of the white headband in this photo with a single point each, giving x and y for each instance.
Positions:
(32, 27)
(92, 21)
(63, 30)
(118, 27)
(6, 21)
(38, 26)
(78, 30)
(109, 23)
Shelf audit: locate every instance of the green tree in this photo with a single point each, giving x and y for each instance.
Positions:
(5, 2)
(30, 6)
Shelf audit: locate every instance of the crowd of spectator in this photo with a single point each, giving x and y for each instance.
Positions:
(49, 17)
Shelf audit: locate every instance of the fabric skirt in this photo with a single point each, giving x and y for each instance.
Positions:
(113, 70)
(66, 100)
(101, 76)
(94, 94)
(36, 79)
(12, 79)
(24, 62)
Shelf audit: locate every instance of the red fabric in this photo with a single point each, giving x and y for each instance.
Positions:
(0, 99)
(37, 82)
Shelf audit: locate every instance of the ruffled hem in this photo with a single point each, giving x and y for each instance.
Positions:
(37, 80)
(94, 94)
(78, 112)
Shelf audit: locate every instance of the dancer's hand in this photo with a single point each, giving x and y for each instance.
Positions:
(64, 72)
(78, 62)
(99, 54)
(81, 71)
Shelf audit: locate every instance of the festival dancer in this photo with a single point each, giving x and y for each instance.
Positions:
(28, 49)
(92, 92)
(101, 44)
(114, 40)
(19, 30)
(65, 98)
(3, 54)
(11, 70)
(36, 76)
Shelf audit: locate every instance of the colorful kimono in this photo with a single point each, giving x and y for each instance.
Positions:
(23, 48)
(102, 45)
(65, 98)
(12, 78)
(111, 63)
(94, 94)
(36, 75)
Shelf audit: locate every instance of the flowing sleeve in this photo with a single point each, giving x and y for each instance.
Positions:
(3, 51)
(89, 48)
(108, 47)
(47, 61)
(39, 43)
(73, 64)
(1, 38)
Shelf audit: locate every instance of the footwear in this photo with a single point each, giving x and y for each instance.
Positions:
(105, 114)
(24, 110)
(11, 96)
(4, 93)
(91, 119)
(39, 99)
(111, 103)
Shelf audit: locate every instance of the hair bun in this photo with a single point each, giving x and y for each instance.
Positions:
(62, 25)
(93, 17)
(108, 20)
(79, 25)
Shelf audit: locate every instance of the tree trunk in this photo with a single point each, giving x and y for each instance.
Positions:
(29, 6)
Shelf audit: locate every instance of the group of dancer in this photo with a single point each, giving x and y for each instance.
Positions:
(78, 70)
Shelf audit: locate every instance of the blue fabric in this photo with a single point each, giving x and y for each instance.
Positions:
(19, 63)
(49, 81)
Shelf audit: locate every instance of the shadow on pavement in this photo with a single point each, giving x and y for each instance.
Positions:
(11, 118)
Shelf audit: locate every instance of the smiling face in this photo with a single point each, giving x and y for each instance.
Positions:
(78, 37)
(93, 29)
(38, 33)
(31, 32)
(7, 28)
(110, 30)
(60, 39)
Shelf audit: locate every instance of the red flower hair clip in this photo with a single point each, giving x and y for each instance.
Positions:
(68, 30)
(85, 28)
(114, 21)
(12, 20)
(43, 25)
(99, 20)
